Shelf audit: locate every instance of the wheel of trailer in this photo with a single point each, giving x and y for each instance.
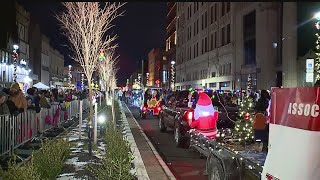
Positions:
(215, 170)
(177, 136)
(162, 125)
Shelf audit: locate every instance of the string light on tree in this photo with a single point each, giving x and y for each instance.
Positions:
(82, 81)
(147, 79)
(69, 76)
(15, 58)
(243, 127)
(172, 74)
(317, 62)
(249, 84)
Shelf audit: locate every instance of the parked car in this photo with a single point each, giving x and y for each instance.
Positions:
(175, 114)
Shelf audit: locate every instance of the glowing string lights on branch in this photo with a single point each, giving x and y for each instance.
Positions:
(82, 81)
(69, 76)
(172, 74)
(15, 57)
(317, 62)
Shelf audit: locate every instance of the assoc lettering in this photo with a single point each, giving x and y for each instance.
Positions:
(302, 109)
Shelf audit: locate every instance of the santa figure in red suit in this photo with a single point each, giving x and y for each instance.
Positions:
(205, 117)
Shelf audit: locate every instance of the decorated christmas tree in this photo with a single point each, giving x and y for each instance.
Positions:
(243, 127)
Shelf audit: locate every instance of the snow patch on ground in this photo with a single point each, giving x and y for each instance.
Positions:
(77, 165)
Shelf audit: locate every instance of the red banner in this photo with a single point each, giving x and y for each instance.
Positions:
(296, 107)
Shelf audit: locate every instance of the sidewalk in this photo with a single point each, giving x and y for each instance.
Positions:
(152, 166)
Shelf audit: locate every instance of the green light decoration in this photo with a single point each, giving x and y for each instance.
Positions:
(101, 56)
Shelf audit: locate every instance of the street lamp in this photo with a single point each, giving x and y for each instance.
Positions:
(317, 62)
(15, 57)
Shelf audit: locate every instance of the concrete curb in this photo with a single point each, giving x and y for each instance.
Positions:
(140, 169)
(155, 152)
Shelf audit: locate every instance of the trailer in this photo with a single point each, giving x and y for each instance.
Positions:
(293, 150)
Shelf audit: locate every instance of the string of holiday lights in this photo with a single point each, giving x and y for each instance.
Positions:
(69, 76)
(172, 75)
(82, 81)
(15, 57)
(317, 62)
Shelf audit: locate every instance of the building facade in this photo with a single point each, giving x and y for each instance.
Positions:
(204, 49)
(171, 41)
(220, 44)
(45, 60)
(56, 68)
(155, 59)
(16, 35)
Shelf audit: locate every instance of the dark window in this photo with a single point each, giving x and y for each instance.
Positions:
(249, 36)
(194, 50)
(213, 74)
(194, 7)
(215, 40)
(222, 36)
(202, 21)
(211, 14)
(228, 34)
(197, 26)
(206, 19)
(194, 28)
(197, 49)
(211, 42)
(206, 44)
(202, 41)
(201, 3)
(188, 13)
(215, 12)
(222, 9)
(228, 6)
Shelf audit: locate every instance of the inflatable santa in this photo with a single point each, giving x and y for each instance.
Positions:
(205, 117)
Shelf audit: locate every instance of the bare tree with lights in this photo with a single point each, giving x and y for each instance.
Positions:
(107, 65)
(85, 24)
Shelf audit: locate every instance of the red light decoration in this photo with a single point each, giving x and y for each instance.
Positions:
(247, 116)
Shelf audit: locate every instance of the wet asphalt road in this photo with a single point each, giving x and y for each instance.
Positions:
(185, 164)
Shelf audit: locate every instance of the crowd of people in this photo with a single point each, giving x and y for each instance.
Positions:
(14, 101)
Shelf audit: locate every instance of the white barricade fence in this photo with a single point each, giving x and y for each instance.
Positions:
(16, 130)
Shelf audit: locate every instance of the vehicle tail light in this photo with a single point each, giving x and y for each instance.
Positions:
(189, 115)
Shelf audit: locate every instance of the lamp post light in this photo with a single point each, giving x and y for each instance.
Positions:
(15, 57)
(317, 62)
(172, 74)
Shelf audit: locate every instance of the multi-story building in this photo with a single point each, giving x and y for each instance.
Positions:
(56, 68)
(45, 60)
(16, 33)
(35, 48)
(204, 49)
(155, 59)
(171, 41)
(219, 44)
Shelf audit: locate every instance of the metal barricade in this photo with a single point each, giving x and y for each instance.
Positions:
(16, 130)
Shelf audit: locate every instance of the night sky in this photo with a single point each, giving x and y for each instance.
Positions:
(140, 29)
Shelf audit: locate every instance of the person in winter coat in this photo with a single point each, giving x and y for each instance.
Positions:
(263, 102)
(17, 103)
(205, 117)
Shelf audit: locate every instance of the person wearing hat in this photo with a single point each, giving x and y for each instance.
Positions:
(205, 117)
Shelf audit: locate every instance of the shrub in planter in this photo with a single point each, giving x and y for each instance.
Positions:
(16, 172)
(116, 163)
(49, 160)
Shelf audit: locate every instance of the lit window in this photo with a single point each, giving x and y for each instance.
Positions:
(175, 37)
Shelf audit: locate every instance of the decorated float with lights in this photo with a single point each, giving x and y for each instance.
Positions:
(293, 140)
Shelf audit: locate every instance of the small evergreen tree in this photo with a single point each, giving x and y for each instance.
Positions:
(243, 127)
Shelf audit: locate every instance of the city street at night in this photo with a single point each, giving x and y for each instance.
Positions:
(185, 164)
